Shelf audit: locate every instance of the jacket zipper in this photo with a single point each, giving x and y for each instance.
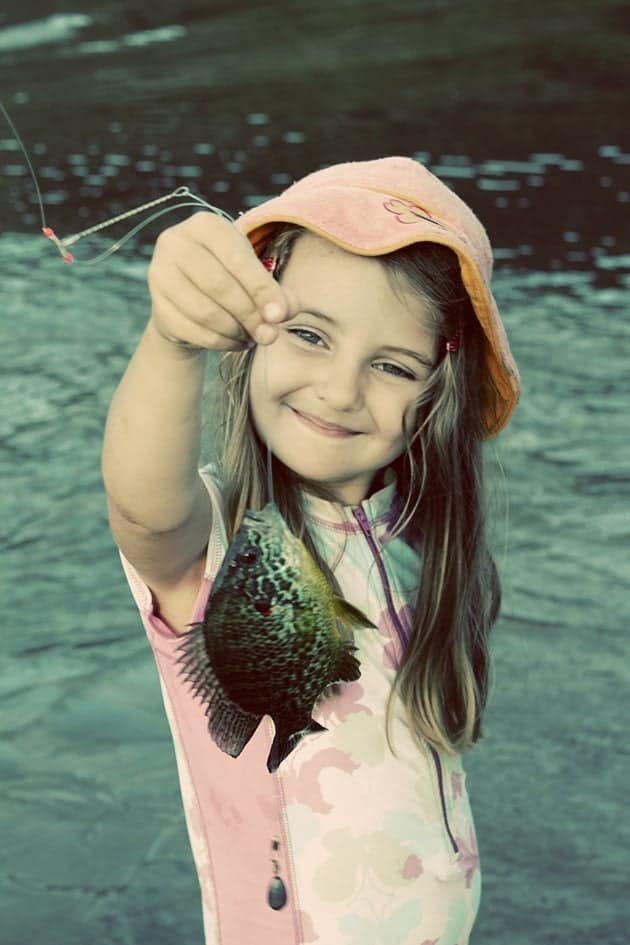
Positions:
(362, 519)
(364, 524)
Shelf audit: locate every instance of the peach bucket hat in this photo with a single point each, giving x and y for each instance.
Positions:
(376, 207)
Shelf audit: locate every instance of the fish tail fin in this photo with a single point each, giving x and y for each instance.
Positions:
(349, 614)
(283, 744)
(347, 667)
(230, 726)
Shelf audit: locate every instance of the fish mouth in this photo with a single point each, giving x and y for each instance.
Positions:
(323, 425)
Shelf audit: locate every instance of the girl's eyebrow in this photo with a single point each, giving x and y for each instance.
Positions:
(424, 359)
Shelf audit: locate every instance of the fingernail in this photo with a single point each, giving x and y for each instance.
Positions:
(273, 312)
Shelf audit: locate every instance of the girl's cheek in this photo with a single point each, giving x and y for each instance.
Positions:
(274, 369)
(409, 414)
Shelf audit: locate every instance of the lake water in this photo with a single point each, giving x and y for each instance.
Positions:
(95, 847)
(93, 834)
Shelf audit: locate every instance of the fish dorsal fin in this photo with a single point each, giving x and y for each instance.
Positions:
(348, 614)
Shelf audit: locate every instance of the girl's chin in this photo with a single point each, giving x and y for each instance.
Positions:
(326, 481)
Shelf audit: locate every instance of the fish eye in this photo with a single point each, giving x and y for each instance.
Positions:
(248, 555)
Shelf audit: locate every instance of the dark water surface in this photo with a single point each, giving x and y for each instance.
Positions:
(521, 108)
(120, 103)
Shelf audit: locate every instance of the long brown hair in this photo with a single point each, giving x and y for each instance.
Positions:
(443, 676)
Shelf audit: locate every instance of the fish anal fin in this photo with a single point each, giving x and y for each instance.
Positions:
(350, 614)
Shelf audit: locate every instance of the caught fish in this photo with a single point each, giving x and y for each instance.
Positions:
(269, 643)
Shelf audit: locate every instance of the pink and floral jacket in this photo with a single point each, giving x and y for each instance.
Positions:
(374, 848)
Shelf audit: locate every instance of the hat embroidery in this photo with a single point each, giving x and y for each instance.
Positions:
(408, 212)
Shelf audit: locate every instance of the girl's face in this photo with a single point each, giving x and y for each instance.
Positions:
(330, 393)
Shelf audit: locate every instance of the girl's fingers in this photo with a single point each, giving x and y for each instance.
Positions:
(209, 273)
(235, 254)
(206, 286)
(190, 311)
(292, 306)
(198, 335)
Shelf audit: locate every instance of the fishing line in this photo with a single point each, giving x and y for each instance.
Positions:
(193, 201)
(270, 489)
(190, 199)
(28, 161)
(62, 244)
(179, 192)
(271, 264)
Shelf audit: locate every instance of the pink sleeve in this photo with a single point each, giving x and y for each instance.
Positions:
(161, 635)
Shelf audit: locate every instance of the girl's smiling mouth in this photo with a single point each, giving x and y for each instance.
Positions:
(321, 426)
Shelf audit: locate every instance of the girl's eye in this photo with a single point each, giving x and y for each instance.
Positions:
(396, 370)
(311, 338)
(305, 334)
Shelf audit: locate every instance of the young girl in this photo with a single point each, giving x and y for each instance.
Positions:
(364, 350)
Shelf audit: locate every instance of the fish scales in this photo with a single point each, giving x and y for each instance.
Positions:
(269, 642)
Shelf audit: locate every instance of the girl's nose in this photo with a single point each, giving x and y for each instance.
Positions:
(340, 384)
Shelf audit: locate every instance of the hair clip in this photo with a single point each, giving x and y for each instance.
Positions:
(270, 263)
(455, 342)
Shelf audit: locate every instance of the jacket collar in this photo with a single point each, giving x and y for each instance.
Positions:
(377, 510)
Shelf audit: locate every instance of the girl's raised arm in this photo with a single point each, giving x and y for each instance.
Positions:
(208, 291)
(158, 507)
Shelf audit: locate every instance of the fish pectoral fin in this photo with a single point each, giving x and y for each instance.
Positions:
(230, 726)
(283, 743)
(349, 614)
(347, 668)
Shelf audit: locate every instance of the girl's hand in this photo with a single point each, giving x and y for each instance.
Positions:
(209, 289)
